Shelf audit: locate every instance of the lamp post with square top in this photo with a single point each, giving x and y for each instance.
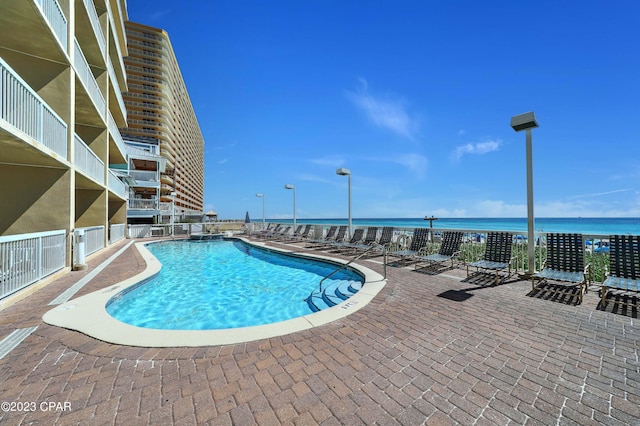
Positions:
(527, 121)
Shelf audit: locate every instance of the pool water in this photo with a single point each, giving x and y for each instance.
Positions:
(223, 284)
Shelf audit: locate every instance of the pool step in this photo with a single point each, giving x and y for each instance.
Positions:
(333, 294)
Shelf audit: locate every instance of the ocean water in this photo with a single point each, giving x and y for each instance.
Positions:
(587, 226)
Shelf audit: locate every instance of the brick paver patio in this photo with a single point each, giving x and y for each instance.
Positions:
(429, 349)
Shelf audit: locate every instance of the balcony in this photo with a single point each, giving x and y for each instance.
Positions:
(142, 204)
(25, 115)
(89, 30)
(88, 163)
(115, 96)
(117, 149)
(117, 186)
(83, 71)
(145, 178)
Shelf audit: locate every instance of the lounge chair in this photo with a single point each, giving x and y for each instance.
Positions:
(331, 233)
(260, 232)
(344, 246)
(278, 235)
(301, 235)
(449, 249)
(377, 248)
(564, 263)
(497, 254)
(267, 233)
(418, 241)
(369, 239)
(624, 265)
(337, 238)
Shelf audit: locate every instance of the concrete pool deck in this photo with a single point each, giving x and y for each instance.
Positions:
(428, 349)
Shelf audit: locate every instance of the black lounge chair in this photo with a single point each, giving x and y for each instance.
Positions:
(278, 235)
(564, 263)
(449, 249)
(624, 265)
(299, 234)
(338, 238)
(331, 233)
(269, 232)
(418, 241)
(369, 240)
(344, 246)
(377, 247)
(497, 254)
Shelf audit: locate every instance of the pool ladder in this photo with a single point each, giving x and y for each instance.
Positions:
(343, 266)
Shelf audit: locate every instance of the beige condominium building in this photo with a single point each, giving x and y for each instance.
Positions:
(62, 76)
(160, 111)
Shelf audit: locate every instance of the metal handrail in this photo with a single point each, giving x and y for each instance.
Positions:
(343, 266)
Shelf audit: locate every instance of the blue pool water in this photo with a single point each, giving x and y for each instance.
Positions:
(223, 284)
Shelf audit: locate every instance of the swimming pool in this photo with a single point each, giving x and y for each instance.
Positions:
(88, 314)
(225, 284)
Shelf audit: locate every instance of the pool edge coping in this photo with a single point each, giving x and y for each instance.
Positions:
(87, 314)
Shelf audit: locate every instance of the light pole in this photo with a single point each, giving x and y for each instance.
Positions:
(173, 209)
(527, 121)
(262, 196)
(289, 186)
(346, 172)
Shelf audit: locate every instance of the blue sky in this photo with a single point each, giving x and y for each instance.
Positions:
(415, 98)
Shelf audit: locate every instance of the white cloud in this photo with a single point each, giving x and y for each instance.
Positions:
(476, 149)
(160, 14)
(224, 160)
(387, 113)
(599, 194)
(414, 163)
(331, 160)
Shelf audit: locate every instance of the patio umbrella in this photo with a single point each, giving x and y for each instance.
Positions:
(246, 218)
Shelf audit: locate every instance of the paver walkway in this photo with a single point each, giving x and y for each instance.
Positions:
(429, 349)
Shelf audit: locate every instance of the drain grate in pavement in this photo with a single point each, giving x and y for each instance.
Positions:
(11, 341)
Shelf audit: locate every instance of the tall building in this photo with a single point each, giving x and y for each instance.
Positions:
(159, 108)
(62, 76)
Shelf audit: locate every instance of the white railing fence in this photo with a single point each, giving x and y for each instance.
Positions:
(94, 241)
(95, 24)
(24, 109)
(53, 14)
(27, 258)
(87, 161)
(117, 232)
(116, 135)
(88, 80)
(116, 185)
(167, 230)
(142, 204)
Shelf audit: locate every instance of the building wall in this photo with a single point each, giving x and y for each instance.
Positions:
(158, 106)
(66, 59)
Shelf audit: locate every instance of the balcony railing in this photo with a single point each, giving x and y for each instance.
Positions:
(88, 80)
(94, 241)
(53, 14)
(116, 185)
(95, 23)
(22, 108)
(151, 152)
(27, 258)
(142, 204)
(115, 133)
(116, 88)
(144, 175)
(117, 232)
(87, 161)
